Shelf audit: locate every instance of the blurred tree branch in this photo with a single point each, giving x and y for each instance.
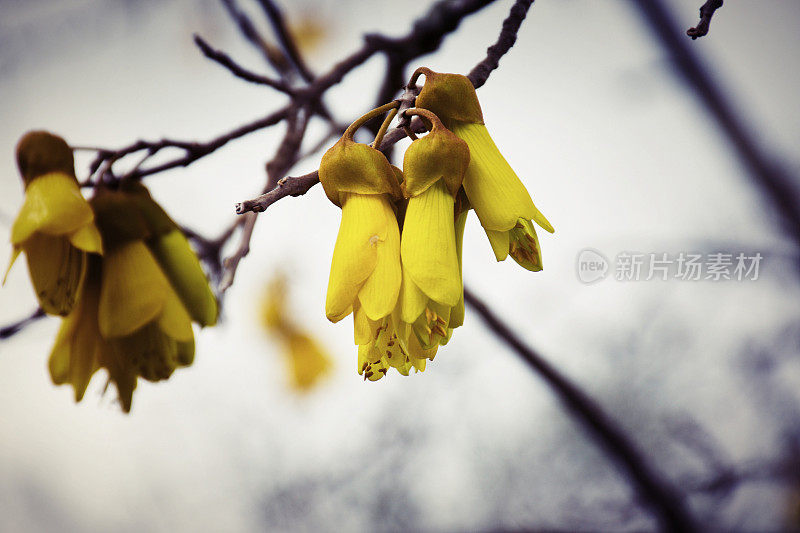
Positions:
(771, 179)
(663, 499)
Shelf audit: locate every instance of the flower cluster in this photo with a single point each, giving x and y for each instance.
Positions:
(397, 260)
(117, 268)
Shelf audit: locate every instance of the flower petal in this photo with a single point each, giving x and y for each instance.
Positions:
(149, 351)
(494, 190)
(499, 242)
(14, 254)
(363, 332)
(355, 254)
(87, 238)
(57, 269)
(378, 296)
(428, 246)
(174, 320)
(182, 268)
(412, 300)
(133, 290)
(457, 314)
(53, 205)
(74, 356)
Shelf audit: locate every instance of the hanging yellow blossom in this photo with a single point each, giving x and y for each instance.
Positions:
(365, 269)
(500, 200)
(131, 318)
(433, 169)
(55, 227)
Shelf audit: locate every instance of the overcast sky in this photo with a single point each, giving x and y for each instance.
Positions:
(615, 151)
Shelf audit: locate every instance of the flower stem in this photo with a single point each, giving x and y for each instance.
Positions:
(417, 73)
(351, 130)
(424, 113)
(385, 126)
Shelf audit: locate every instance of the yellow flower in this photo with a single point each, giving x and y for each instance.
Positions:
(365, 270)
(307, 361)
(131, 318)
(500, 200)
(387, 343)
(433, 168)
(55, 227)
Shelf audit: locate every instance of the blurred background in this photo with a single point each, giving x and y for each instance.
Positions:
(617, 151)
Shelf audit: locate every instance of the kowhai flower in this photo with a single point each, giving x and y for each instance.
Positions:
(500, 200)
(131, 318)
(365, 270)
(55, 227)
(433, 168)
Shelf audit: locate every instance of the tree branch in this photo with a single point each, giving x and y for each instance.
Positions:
(507, 38)
(707, 11)
(193, 150)
(250, 33)
(11, 329)
(657, 494)
(276, 18)
(773, 182)
(234, 68)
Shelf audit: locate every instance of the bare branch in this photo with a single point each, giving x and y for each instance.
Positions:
(248, 30)
(657, 494)
(507, 38)
(193, 150)
(276, 18)
(232, 263)
(291, 186)
(11, 329)
(298, 186)
(284, 158)
(237, 70)
(707, 11)
(776, 186)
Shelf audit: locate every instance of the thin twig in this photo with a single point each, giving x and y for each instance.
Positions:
(11, 329)
(284, 158)
(193, 150)
(286, 41)
(299, 185)
(230, 264)
(707, 11)
(657, 494)
(507, 38)
(237, 70)
(289, 186)
(248, 30)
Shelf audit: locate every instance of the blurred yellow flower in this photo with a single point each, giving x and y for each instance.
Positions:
(55, 227)
(307, 362)
(131, 318)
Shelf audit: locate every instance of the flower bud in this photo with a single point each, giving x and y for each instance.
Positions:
(40, 153)
(351, 167)
(438, 155)
(450, 96)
